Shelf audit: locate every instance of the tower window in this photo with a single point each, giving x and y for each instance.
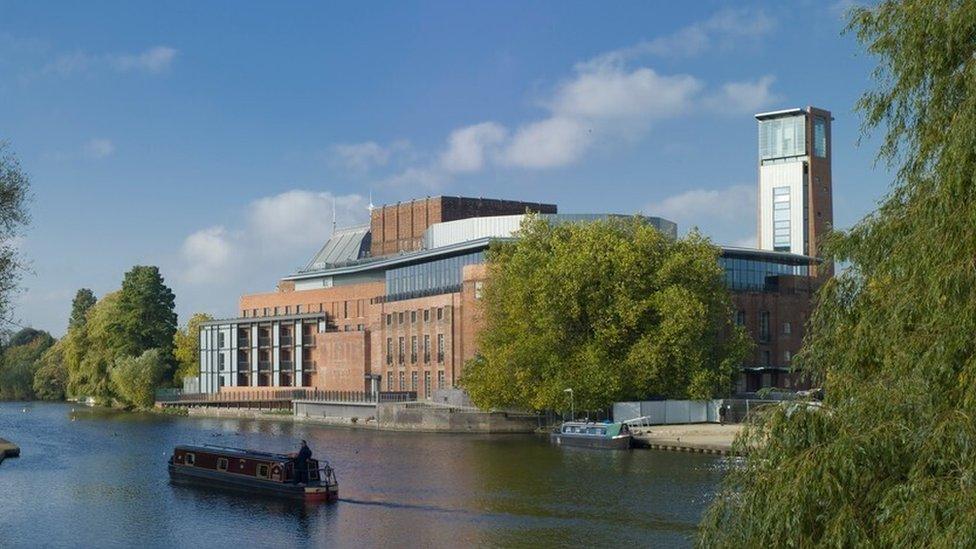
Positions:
(820, 137)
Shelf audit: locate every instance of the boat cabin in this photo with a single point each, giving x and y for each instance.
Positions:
(247, 463)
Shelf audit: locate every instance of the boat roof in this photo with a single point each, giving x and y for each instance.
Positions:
(231, 451)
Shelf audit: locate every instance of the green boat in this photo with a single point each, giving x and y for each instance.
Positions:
(609, 436)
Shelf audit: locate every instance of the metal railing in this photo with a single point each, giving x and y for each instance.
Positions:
(286, 340)
(269, 394)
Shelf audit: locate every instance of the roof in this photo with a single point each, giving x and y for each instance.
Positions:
(343, 246)
(383, 262)
(783, 257)
(780, 113)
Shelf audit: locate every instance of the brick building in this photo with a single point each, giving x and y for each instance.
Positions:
(393, 305)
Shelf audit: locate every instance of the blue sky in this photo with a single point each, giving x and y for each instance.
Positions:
(212, 140)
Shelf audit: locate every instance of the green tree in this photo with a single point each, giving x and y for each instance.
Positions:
(889, 460)
(51, 377)
(20, 362)
(187, 348)
(91, 349)
(83, 301)
(14, 197)
(146, 314)
(612, 309)
(134, 379)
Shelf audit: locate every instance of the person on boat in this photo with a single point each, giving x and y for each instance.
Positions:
(301, 463)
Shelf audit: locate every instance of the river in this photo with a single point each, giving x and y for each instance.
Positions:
(97, 478)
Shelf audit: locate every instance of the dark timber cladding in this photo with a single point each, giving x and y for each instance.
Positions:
(400, 227)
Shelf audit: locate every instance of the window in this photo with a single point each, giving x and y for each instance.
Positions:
(781, 219)
(263, 470)
(400, 318)
(440, 347)
(413, 317)
(740, 318)
(389, 319)
(276, 311)
(427, 384)
(787, 356)
(403, 385)
(426, 347)
(254, 312)
(389, 380)
(440, 313)
(298, 309)
(287, 309)
(787, 328)
(440, 379)
(820, 137)
(220, 340)
(478, 289)
(413, 348)
(266, 311)
(765, 358)
(359, 327)
(426, 315)
(764, 326)
(413, 381)
(345, 309)
(190, 459)
(389, 350)
(400, 350)
(220, 361)
(782, 137)
(221, 464)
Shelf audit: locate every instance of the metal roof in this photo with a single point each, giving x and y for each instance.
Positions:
(776, 114)
(387, 261)
(343, 246)
(768, 254)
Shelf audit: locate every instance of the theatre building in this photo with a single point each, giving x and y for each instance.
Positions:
(393, 306)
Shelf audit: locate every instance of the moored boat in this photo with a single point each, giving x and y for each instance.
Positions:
(611, 436)
(253, 471)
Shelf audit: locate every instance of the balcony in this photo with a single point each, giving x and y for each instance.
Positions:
(264, 365)
(286, 340)
(286, 364)
(264, 342)
(308, 340)
(308, 366)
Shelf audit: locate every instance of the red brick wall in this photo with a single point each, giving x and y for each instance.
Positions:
(340, 361)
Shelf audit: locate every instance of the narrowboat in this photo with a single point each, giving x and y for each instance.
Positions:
(610, 436)
(252, 471)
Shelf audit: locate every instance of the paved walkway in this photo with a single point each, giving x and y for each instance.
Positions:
(708, 438)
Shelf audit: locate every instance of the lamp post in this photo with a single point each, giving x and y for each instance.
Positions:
(572, 404)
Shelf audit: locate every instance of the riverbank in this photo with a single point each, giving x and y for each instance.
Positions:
(707, 438)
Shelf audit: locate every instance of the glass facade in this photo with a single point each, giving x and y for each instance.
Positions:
(782, 137)
(434, 277)
(781, 219)
(750, 274)
(820, 137)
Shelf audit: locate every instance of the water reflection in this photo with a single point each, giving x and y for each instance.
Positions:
(97, 478)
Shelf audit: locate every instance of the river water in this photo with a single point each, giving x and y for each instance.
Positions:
(96, 478)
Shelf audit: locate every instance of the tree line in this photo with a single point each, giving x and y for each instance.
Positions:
(118, 349)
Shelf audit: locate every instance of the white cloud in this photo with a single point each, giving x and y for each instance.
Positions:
(609, 91)
(154, 60)
(466, 146)
(549, 143)
(207, 254)
(365, 156)
(282, 231)
(603, 102)
(297, 219)
(743, 97)
(718, 213)
(99, 148)
(722, 30)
